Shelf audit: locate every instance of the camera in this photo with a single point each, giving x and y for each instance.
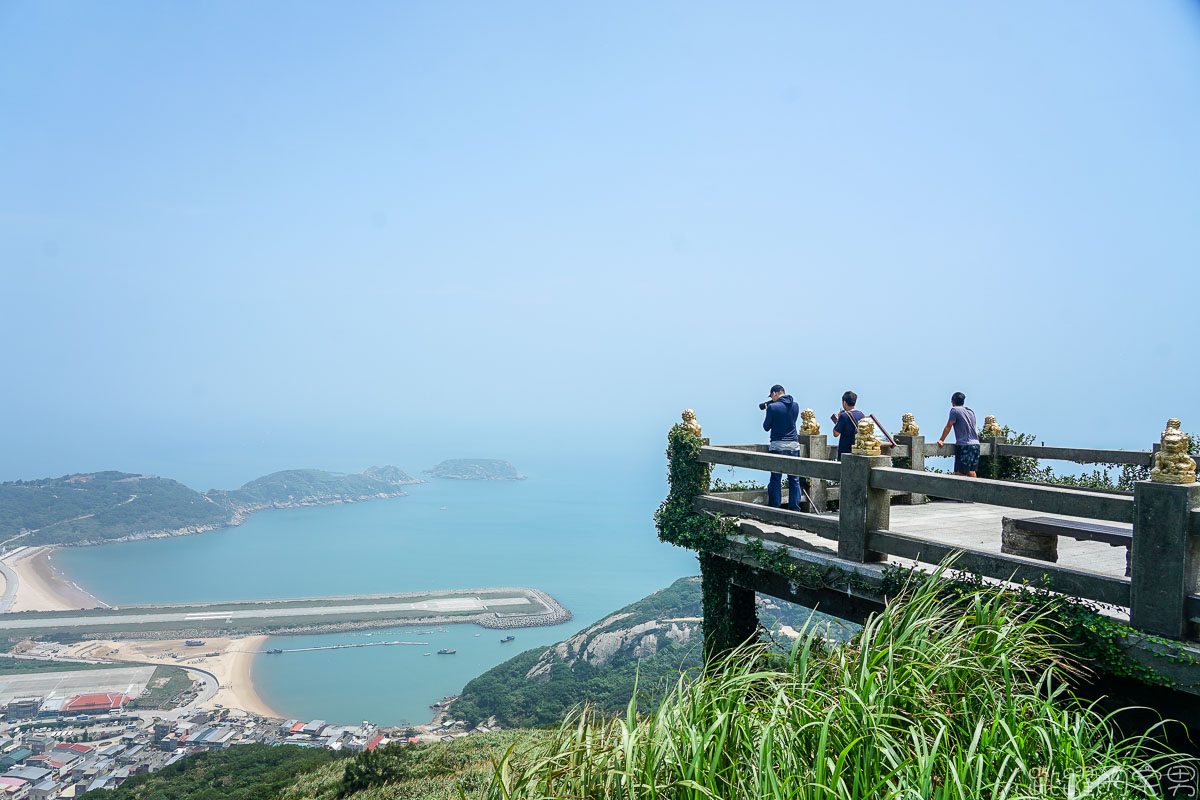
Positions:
(763, 405)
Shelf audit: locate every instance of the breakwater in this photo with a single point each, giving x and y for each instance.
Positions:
(554, 614)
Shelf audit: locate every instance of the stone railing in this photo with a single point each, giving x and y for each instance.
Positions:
(1160, 593)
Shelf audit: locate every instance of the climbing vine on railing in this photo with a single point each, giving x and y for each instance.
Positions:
(688, 477)
(812, 576)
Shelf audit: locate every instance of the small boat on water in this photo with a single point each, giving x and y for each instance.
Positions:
(427, 654)
(443, 508)
(477, 634)
(445, 652)
(507, 639)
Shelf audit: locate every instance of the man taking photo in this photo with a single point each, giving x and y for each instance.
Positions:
(782, 412)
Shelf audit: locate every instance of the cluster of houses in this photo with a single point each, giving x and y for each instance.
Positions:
(70, 755)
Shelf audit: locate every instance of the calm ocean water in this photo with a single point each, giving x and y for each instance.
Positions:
(586, 539)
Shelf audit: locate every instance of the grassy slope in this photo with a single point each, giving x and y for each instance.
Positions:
(23, 666)
(435, 772)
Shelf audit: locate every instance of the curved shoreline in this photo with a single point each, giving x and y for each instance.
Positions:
(42, 586)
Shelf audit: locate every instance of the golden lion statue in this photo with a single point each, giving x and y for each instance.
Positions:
(690, 423)
(909, 425)
(990, 428)
(865, 441)
(1172, 464)
(809, 424)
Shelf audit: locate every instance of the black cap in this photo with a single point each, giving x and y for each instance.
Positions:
(776, 388)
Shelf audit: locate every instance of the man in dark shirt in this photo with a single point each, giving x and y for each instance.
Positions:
(966, 439)
(845, 423)
(782, 412)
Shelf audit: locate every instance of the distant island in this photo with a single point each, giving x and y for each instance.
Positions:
(98, 507)
(476, 469)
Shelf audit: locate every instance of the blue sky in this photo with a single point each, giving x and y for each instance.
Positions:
(321, 234)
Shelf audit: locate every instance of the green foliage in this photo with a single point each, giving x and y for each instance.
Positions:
(677, 522)
(377, 767)
(110, 505)
(25, 666)
(1092, 636)
(476, 469)
(102, 505)
(244, 772)
(294, 485)
(1021, 468)
(437, 771)
(719, 485)
(175, 682)
(1010, 468)
(935, 699)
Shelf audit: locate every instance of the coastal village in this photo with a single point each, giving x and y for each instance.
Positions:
(65, 749)
(68, 732)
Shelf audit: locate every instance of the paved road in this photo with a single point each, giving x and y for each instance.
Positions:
(10, 586)
(123, 621)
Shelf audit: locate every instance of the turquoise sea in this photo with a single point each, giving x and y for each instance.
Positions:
(583, 537)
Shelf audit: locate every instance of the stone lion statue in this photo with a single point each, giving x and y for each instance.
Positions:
(689, 422)
(909, 425)
(1172, 464)
(808, 422)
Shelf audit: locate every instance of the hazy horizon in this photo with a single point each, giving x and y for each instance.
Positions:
(236, 239)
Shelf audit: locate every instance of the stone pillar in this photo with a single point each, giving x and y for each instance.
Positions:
(916, 450)
(1042, 546)
(1165, 558)
(861, 508)
(730, 616)
(816, 446)
(993, 461)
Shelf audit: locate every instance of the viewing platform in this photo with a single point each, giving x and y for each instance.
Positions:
(1136, 554)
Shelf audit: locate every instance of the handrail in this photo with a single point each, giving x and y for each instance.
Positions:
(1064, 580)
(772, 462)
(1069, 502)
(1160, 592)
(1081, 455)
(824, 526)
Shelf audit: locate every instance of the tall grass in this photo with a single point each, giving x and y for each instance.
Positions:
(932, 701)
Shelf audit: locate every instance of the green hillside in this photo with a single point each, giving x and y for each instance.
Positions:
(100, 506)
(302, 486)
(476, 469)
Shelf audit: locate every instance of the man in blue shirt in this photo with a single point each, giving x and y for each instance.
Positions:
(782, 412)
(845, 423)
(966, 440)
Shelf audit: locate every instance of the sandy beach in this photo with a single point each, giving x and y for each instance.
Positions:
(41, 587)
